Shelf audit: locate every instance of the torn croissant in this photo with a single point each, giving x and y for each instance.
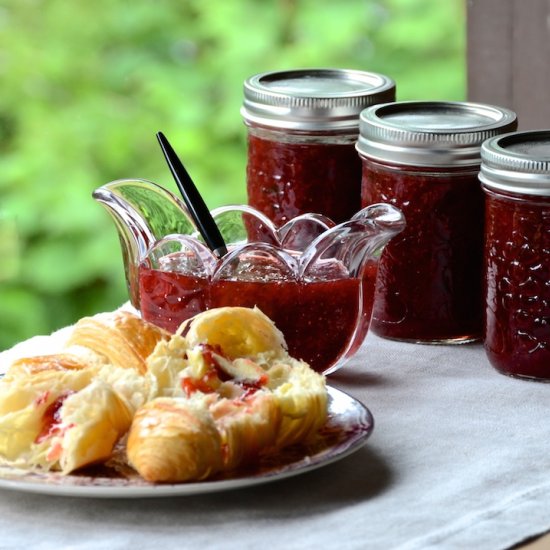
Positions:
(82, 428)
(66, 410)
(258, 397)
(213, 397)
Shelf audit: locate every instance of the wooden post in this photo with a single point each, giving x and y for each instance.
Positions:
(509, 57)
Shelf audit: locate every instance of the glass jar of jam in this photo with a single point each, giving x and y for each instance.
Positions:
(424, 157)
(302, 129)
(515, 175)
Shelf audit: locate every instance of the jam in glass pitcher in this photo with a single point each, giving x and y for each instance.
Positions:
(315, 279)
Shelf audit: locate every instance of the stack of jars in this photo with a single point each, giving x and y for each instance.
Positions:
(474, 259)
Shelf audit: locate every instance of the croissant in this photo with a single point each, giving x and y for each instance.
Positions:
(260, 359)
(125, 341)
(81, 428)
(30, 386)
(124, 338)
(302, 397)
(211, 398)
(181, 439)
(258, 396)
(238, 331)
(166, 362)
(73, 358)
(247, 427)
(173, 440)
(37, 388)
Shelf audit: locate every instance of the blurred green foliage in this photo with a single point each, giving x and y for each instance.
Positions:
(86, 85)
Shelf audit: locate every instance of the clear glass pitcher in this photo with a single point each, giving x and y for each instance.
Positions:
(313, 278)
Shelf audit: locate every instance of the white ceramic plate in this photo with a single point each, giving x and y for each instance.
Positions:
(349, 425)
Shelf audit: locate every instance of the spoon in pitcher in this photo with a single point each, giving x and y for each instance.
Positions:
(193, 200)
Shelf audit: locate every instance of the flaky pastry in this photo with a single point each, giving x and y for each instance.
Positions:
(67, 410)
(214, 396)
(83, 428)
(30, 386)
(122, 337)
(258, 396)
(238, 331)
(174, 439)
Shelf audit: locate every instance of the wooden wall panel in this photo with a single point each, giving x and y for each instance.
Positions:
(509, 57)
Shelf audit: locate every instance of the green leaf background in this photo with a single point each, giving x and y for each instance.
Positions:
(86, 85)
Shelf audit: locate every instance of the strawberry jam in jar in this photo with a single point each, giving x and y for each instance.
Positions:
(515, 174)
(302, 128)
(424, 158)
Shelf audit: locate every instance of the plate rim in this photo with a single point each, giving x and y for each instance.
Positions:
(304, 465)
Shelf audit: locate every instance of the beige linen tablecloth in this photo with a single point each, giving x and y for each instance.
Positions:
(459, 458)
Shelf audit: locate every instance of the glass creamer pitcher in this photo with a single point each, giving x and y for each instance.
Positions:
(313, 278)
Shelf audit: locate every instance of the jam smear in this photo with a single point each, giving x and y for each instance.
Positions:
(250, 387)
(191, 385)
(209, 353)
(215, 374)
(51, 419)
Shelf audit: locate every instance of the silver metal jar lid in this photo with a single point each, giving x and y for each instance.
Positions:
(430, 133)
(517, 162)
(313, 99)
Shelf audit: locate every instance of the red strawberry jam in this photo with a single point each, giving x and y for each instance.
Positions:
(286, 179)
(302, 128)
(51, 419)
(515, 172)
(517, 255)
(423, 157)
(429, 285)
(319, 319)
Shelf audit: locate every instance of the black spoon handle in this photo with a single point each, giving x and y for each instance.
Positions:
(193, 200)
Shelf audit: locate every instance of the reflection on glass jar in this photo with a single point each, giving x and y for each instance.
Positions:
(423, 157)
(515, 173)
(302, 129)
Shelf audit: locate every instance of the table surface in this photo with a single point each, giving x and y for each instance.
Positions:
(540, 543)
(458, 459)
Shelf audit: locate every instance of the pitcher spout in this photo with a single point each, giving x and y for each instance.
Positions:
(143, 213)
(384, 222)
(356, 242)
